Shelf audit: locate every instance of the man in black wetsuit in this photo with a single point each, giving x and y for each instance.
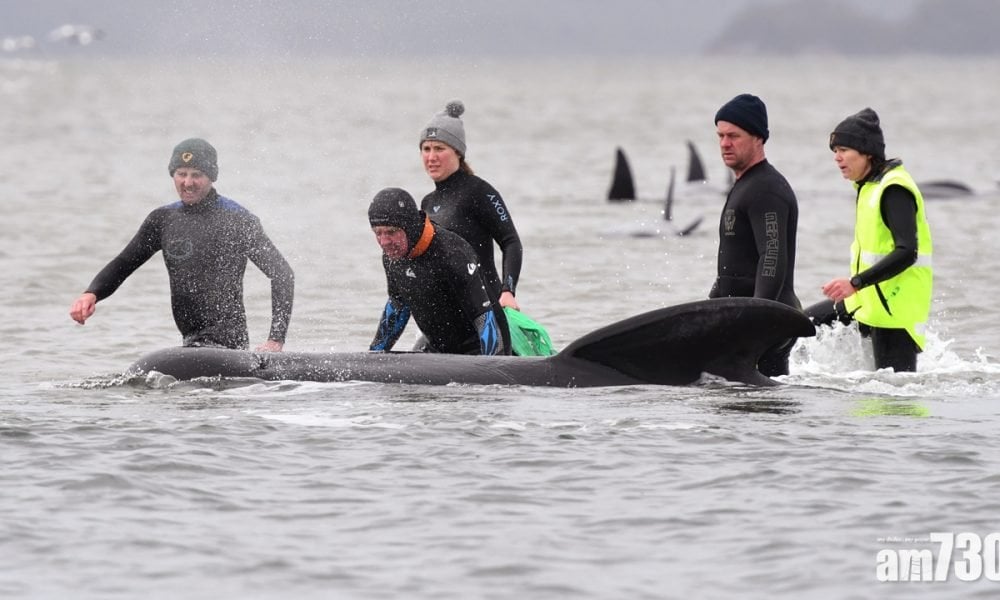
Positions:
(206, 241)
(759, 221)
(433, 273)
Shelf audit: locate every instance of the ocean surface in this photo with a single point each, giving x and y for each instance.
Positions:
(118, 488)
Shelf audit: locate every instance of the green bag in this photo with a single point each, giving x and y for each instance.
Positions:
(527, 336)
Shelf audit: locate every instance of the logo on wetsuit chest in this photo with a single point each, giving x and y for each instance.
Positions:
(178, 250)
(729, 221)
(471, 267)
(435, 208)
(410, 273)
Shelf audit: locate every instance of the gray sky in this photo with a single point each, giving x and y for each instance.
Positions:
(376, 28)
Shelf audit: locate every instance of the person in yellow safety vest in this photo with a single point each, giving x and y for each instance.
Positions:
(889, 290)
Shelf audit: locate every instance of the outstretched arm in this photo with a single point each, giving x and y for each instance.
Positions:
(899, 212)
(143, 245)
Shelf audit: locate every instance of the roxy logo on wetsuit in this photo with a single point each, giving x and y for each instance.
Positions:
(498, 206)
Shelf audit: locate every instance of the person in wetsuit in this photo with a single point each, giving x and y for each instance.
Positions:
(206, 240)
(889, 288)
(759, 220)
(467, 204)
(433, 275)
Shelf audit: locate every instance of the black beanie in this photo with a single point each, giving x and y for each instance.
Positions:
(747, 112)
(195, 153)
(862, 132)
(394, 207)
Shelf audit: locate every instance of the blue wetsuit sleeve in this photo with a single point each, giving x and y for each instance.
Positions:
(490, 340)
(390, 326)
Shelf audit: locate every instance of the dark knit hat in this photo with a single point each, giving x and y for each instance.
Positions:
(394, 207)
(446, 126)
(862, 132)
(195, 153)
(747, 112)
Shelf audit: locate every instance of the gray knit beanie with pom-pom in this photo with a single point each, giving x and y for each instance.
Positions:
(446, 126)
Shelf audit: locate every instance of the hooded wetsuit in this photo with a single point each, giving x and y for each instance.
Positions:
(443, 288)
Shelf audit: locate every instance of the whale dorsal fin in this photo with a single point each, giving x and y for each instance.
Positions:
(622, 185)
(675, 345)
(696, 170)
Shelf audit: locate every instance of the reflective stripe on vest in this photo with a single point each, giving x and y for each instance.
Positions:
(904, 300)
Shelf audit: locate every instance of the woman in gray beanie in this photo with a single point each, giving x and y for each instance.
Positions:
(467, 204)
(889, 288)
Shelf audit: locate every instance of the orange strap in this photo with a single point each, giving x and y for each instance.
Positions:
(425, 239)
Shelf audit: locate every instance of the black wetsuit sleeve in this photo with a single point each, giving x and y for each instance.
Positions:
(499, 223)
(899, 213)
(270, 261)
(769, 216)
(141, 248)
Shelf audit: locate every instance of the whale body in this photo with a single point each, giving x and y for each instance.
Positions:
(669, 346)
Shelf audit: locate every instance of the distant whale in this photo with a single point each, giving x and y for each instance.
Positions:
(944, 188)
(669, 346)
(622, 183)
(623, 189)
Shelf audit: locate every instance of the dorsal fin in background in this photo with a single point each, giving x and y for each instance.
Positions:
(674, 345)
(668, 206)
(696, 170)
(622, 185)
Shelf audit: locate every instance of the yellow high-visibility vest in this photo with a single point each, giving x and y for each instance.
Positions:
(902, 301)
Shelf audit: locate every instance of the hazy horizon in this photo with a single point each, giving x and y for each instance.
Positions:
(377, 28)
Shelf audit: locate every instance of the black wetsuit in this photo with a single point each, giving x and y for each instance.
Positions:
(890, 347)
(444, 290)
(469, 206)
(757, 248)
(205, 248)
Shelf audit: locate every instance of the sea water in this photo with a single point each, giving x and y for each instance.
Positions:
(150, 488)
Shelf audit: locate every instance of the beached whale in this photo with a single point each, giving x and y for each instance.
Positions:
(669, 346)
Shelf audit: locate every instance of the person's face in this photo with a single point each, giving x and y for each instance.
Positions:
(392, 240)
(739, 149)
(192, 185)
(852, 164)
(440, 159)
